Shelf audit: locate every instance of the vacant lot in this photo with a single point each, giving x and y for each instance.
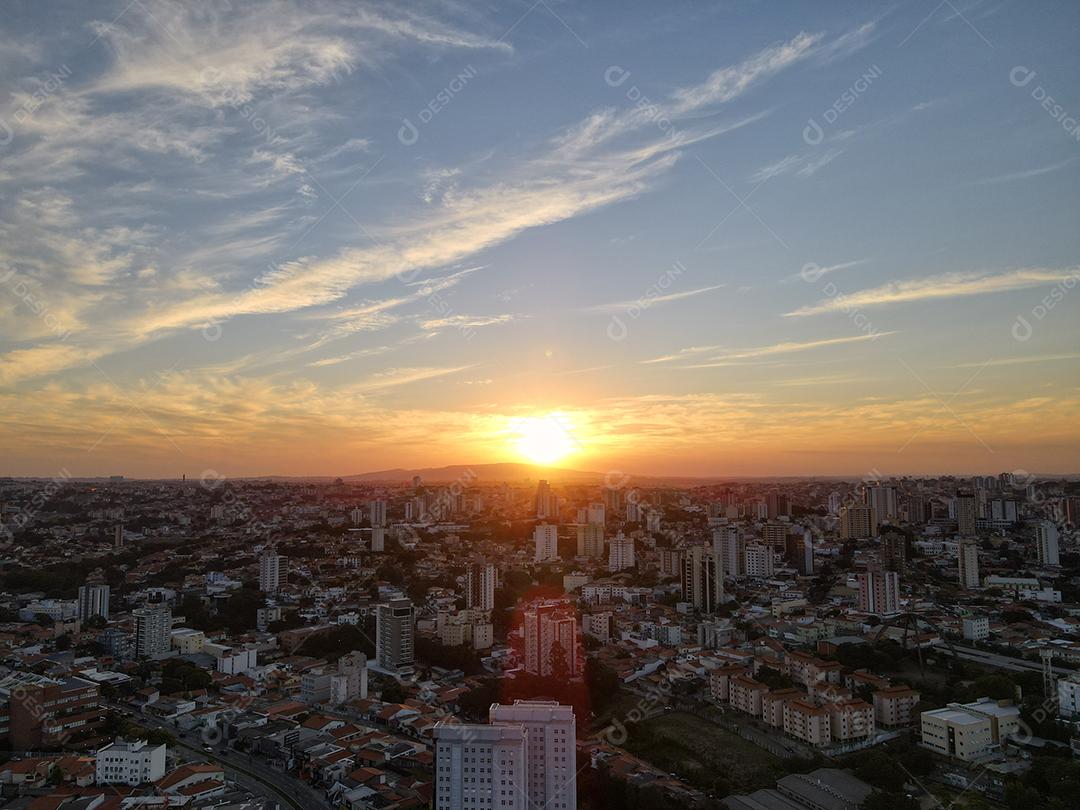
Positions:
(700, 752)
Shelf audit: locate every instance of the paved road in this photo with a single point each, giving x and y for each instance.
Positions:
(277, 786)
(1003, 661)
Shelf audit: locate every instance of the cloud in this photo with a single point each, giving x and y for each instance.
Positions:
(1014, 361)
(727, 358)
(465, 321)
(393, 377)
(1024, 175)
(649, 300)
(948, 285)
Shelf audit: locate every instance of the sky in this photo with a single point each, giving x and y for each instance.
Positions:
(731, 238)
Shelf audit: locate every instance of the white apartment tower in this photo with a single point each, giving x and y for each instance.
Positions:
(621, 553)
(93, 601)
(969, 563)
(272, 572)
(377, 512)
(546, 538)
(550, 759)
(394, 629)
(378, 539)
(728, 548)
(480, 767)
(759, 560)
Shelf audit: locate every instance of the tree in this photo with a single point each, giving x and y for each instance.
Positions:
(560, 668)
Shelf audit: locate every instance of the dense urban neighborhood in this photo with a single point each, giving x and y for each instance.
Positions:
(356, 644)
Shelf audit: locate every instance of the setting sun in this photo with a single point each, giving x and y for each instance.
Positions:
(543, 439)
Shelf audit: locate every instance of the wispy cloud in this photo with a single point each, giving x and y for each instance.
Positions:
(622, 306)
(1015, 361)
(1024, 175)
(948, 285)
(790, 347)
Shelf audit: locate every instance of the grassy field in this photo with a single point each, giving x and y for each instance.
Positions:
(697, 750)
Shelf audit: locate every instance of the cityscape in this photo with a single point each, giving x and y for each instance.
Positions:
(539, 405)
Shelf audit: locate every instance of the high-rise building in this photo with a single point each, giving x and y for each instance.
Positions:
(621, 553)
(613, 500)
(590, 540)
(551, 760)
(546, 538)
(1046, 540)
(969, 563)
(93, 601)
(759, 560)
(879, 592)
(153, 631)
(118, 535)
(893, 551)
(480, 586)
(729, 549)
(272, 571)
(480, 767)
(775, 534)
(394, 629)
(834, 503)
(857, 522)
(378, 539)
(882, 502)
(703, 579)
(377, 512)
(777, 505)
(799, 551)
(356, 516)
(966, 513)
(547, 504)
(550, 634)
(596, 513)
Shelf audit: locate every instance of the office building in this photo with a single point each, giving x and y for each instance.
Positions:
(46, 714)
(546, 539)
(702, 579)
(272, 572)
(550, 766)
(130, 762)
(93, 601)
(596, 513)
(394, 629)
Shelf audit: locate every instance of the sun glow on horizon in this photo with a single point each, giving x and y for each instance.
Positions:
(543, 439)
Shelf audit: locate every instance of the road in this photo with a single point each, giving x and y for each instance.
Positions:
(1003, 661)
(277, 786)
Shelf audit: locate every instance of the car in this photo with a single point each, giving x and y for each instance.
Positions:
(208, 748)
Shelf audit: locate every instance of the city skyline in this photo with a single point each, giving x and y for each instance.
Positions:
(325, 239)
